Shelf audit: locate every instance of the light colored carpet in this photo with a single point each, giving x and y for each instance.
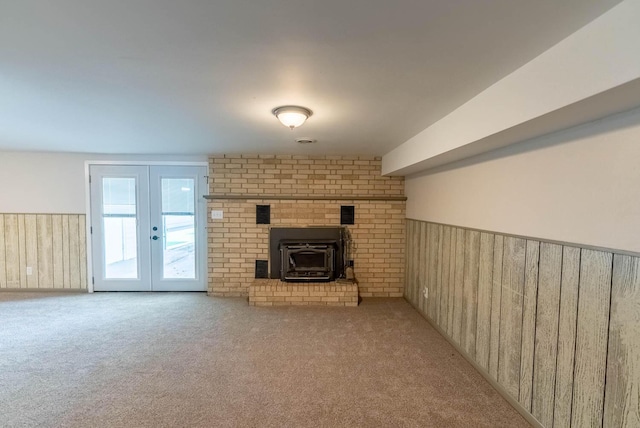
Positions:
(185, 359)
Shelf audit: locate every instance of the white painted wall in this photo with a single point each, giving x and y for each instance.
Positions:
(54, 182)
(553, 91)
(581, 185)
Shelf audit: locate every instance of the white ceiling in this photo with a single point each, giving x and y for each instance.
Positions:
(201, 76)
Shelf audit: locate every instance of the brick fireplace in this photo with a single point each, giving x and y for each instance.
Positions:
(259, 192)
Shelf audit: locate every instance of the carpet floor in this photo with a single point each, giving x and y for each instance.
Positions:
(188, 360)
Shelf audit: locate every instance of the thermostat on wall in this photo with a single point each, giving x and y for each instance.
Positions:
(216, 214)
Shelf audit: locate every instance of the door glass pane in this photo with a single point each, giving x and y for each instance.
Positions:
(178, 227)
(119, 227)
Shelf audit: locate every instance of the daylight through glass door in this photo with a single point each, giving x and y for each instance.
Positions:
(148, 228)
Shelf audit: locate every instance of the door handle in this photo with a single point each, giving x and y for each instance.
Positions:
(155, 228)
(154, 237)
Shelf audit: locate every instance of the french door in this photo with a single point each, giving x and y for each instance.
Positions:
(148, 228)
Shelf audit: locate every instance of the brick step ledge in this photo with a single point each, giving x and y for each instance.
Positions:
(273, 292)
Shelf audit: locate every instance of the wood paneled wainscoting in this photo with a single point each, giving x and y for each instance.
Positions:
(556, 326)
(52, 245)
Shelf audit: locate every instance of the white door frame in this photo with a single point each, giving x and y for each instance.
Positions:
(87, 191)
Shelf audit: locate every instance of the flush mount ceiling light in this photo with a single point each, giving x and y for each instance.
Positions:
(292, 116)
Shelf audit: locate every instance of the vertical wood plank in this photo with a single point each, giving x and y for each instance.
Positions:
(566, 336)
(22, 245)
(12, 250)
(591, 338)
(485, 279)
(421, 264)
(408, 261)
(452, 280)
(470, 294)
(496, 306)
(529, 322)
(426, 260)
(416, 262)
(622, 398)
(444, 289)
(417, 232)
(458, 284)
(412, 261)
(439, 275)
(74, 252)
(546, 341)
(56, 230)
(426, 272)
(66, 257)
(513, 270)
(31, 245)
(432, 276)
(407, 258)
(44, 236)
(3, 265)
(82, 242)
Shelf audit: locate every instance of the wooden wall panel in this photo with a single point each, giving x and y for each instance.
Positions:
(44, 234)
(513, 269)
(591, 338)
(409, 264)
(415, 251)
(622, 398)
(458, 286)
(416, 271)
(444, 278)
(546, 341)
(470, 291)
(529, 307)
(66, 266)
(39, 241)
(423, 250)
(432, 271)
(22, 245)
(412, 260)
(417, 267)
(82, 256)
(566, 336)
(31, 247)
(485, 280)
(74, 251)
(416, 258)
(452, 279)
(439, 274)
(12, 250)
(57, 238)
(557, 326)
(496, 305)
(3, 274)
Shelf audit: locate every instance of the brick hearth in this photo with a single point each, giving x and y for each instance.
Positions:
(273, 292)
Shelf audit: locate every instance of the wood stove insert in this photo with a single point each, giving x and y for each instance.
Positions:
(308, 254)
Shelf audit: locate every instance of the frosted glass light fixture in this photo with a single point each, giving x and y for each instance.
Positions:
(292, 116)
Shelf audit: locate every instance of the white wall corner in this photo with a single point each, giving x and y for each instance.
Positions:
(593, 73)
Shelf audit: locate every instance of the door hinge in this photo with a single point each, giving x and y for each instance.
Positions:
(91, 230)
(93, 280)
(89, 179)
